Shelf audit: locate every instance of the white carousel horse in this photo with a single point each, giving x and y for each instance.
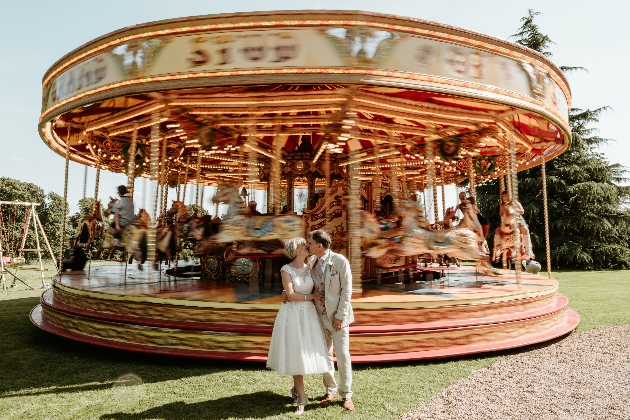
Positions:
(413, 238)
(240, 226)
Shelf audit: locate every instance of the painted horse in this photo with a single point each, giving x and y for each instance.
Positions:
(133, 238)
(414, 238)
(261, 234)
(91, 226)
(505, 236)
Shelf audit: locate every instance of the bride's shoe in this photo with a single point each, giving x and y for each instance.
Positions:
(294, 394)
(300, 407)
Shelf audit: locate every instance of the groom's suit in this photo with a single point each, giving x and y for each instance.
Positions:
(332, 274)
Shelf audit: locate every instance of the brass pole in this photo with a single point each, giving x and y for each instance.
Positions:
(546, 215)
(65, 204)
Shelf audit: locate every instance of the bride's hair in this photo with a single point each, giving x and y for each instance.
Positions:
(290, 248)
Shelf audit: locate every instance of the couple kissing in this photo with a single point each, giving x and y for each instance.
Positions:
(314, 318)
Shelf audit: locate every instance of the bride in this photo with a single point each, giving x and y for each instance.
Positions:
(298, 346)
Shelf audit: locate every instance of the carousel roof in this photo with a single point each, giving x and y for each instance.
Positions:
(385, 91)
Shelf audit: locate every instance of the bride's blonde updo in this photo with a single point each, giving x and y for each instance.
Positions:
(290, 248)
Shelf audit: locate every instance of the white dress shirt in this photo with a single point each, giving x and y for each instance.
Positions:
(323, 260)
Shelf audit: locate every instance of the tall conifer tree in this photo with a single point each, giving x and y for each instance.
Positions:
(589, 216)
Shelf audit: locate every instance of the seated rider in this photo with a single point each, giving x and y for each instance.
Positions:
(505, 202)
(252, 209)
(77, 260)
(483, 221)
(469, 219)
(123, 211)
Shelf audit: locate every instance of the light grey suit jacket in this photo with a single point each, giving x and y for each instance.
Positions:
(338, 283)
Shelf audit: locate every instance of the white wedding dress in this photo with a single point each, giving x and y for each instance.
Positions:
(298, 346)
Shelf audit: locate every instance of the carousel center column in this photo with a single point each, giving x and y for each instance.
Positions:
(354, 225)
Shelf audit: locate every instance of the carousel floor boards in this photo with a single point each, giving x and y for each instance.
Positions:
(462, 313)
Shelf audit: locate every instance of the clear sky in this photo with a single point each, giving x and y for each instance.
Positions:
(592, 34)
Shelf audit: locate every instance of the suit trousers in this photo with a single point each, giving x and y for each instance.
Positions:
(341, 341)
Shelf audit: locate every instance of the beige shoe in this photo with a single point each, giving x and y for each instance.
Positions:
(300, 407)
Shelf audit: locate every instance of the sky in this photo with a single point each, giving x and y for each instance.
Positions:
(35, 34)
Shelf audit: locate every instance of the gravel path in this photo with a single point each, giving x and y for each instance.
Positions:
(584, 376)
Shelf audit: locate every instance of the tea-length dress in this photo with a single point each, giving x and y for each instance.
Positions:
(298, 346)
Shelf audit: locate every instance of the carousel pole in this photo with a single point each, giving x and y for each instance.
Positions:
(513, 181)
(431, 179)
(65, 205)
(327, 193)
(85, 173)
(471, 177)
(354, 224)
(443, 191)
(252, 162)
(96, 182)
(178, 187)
(131, 165)
(164, 168)
(501, 184)
(154, 144)
(546, 215)
(185, 179)
(377, 181)
(395, 187)
(198, 182)
(275, 172)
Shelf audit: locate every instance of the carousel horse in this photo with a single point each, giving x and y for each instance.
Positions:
(91, 227)
(505, 236)
(133, 239)
(413, 238)
(262, 234)
(182, 227)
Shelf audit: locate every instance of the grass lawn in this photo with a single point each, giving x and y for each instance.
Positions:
(46, 377)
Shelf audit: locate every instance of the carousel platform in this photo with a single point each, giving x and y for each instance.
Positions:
(461, 313)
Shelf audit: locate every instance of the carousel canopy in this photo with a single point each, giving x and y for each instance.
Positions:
(386, 91)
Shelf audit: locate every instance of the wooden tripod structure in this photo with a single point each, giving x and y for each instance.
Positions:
(37, 228)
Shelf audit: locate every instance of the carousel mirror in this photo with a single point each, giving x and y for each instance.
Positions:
(300, 194)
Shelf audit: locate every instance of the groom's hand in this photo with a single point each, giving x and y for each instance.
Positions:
(337, 324)
(285, 298)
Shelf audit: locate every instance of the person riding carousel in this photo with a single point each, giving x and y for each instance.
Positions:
(123, 211)
(504, 209)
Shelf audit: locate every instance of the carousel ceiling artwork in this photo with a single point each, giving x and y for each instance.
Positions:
(368, 88)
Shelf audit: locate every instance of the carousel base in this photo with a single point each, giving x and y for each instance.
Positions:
(462, 313)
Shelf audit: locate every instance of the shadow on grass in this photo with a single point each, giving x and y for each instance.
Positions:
(237, 406)
(35, 362)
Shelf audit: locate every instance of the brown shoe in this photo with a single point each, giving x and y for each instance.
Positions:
(347, 404)
(328, 398)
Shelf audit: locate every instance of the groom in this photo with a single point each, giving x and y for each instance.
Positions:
(333, 281)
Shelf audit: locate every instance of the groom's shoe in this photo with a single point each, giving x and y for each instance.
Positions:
(347, 404)
(328, 398)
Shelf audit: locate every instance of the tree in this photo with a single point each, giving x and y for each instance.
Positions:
(589, 220)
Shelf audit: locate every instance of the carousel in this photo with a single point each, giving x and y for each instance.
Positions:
(350, 122)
